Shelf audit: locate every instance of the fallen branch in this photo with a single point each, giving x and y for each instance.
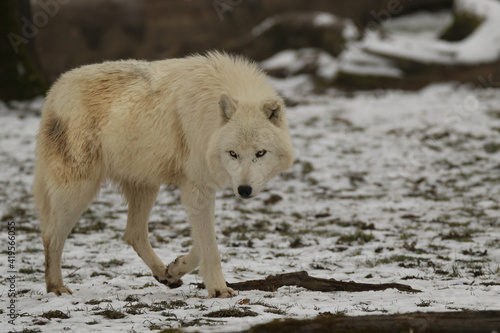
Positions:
(431, 322)
(302, 279)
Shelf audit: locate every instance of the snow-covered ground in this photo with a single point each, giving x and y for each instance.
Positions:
(387, 186)
(481, 46)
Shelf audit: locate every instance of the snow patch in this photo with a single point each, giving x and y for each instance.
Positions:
(263, 26)
(482, 46)
(325, 19)
(294, 61)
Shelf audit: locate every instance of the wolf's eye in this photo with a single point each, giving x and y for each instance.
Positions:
(261, 153)
(233, 154)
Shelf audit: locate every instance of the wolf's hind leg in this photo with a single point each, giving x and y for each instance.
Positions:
(59, 212)
(140, 202)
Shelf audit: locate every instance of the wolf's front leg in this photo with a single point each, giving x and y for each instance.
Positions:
(199, 204)
(140, 202)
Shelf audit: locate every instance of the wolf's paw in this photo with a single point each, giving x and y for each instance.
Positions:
(177, 268)
(59, 290)
(224, 292)
(169, 282)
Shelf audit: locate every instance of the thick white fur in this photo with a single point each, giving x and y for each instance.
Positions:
(144, 124)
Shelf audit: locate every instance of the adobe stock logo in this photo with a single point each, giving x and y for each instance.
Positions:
(30, 28)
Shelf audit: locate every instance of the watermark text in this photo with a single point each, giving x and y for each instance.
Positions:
(11, 272)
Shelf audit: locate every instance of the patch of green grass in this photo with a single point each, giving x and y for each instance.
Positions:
(147, 285)
(93, 322)
(358, 236)
(283, 228)
(261, 225)
(55, 314)
(464, 236)
(276, 311)
(135, 309)
(402, 258)
(111, 263)
(307, 168)
(153, 327)
(495, 243)
(14, 213)
(177, 304)
(23, 291)
(471, 209)
(138, 305)
(441, 272)
(297, 243)
(141, 274)
(91, 226)
(410, 261)
(97, 302)
(269, 307)
(407, 235)
(240, 269)
(412, 247)
(200, 322)
(338, 314)
(491, 147)
(239, 228)
(157, 307)
(476, 272)
(242, 237)
(377, 262)
(164, 305)
(458, 224)
(111, 314)
(106, 274)
(160, 239)
(425, 303)
(477, 253)
(132, 298)
(29, 270)
(40, 322)
(232, 312)
(455, 270)
(413, 277)
(274, 213)
(168, 314)
(325, 265)
(435, 247)
(273, 199)
(26, 228)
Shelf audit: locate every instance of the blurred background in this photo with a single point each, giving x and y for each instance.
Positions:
(352, 44)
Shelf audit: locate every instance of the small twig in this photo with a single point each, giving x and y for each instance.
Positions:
(70, 275)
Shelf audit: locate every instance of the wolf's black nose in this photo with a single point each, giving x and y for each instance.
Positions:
(244, 191)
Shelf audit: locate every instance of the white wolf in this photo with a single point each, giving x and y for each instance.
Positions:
(200, 123)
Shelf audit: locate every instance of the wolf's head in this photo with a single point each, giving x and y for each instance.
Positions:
(252, 145)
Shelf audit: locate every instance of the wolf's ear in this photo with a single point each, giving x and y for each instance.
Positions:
(227, 106)
(273, 109)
